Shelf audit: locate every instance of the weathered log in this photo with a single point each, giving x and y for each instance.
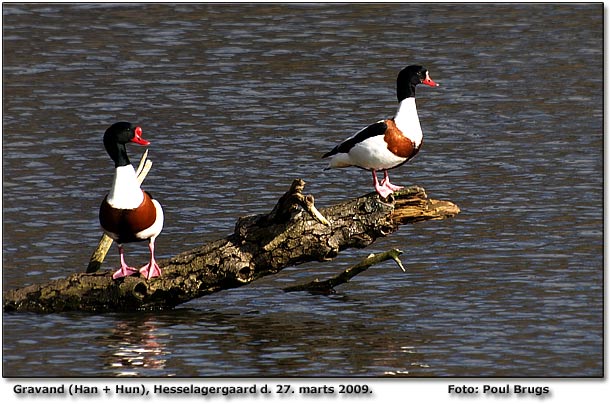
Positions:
(260, 245)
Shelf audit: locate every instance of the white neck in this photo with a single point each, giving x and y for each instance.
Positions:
(407, 120)
(125, 192)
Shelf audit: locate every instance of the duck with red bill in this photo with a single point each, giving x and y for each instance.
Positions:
(388, 143)
(127, 213)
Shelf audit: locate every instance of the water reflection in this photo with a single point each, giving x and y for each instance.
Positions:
(276, 343)
(135, 347)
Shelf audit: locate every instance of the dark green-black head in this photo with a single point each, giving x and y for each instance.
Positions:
(117, 136)
(408, 78)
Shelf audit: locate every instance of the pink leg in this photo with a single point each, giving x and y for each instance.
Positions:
(124, 270)
(382, 189)
(386, 182)
(151, 270)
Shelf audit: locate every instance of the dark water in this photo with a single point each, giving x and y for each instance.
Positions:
(240, 99)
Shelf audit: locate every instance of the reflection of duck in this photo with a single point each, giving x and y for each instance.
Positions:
(135, 348)
(388, 143)
(129, 214)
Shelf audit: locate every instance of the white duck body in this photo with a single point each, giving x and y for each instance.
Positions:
(373, 152)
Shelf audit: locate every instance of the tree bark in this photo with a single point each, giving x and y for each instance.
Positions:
(294, 232)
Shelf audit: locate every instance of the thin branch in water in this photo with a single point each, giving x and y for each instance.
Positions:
(328, 286)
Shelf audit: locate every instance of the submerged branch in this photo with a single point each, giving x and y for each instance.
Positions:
(328, 286)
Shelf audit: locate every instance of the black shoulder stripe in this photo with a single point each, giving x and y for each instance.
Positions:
(376, 129)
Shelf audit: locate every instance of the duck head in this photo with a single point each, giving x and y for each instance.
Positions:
(409, 77)
(117, 136)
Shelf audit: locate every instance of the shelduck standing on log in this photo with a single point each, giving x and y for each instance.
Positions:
(388, 143)
(129, 214)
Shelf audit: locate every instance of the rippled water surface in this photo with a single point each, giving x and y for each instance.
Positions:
(237, 101)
